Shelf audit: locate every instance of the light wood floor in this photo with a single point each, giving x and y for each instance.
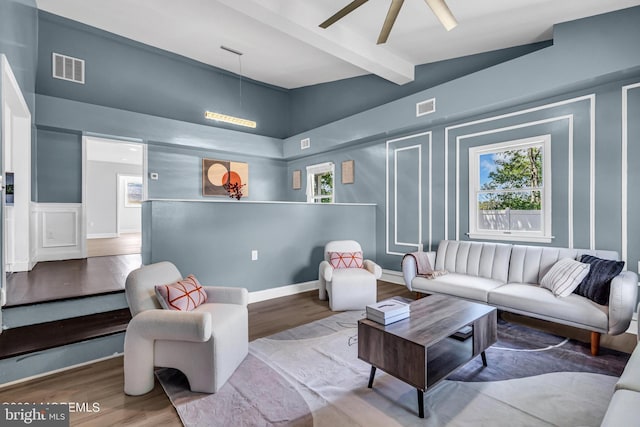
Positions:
(102, 382)
(127, 243)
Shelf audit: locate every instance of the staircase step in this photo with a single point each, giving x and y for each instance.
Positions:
(43, 336)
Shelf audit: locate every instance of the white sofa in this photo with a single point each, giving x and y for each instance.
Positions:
(508, 276)
(624, 406)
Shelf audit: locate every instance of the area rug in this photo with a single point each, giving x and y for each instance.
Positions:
(311, 376)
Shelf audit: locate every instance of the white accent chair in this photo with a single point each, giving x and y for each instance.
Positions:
(348, 288)
(206, 344)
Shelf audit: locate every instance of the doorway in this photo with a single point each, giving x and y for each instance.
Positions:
(114, 193)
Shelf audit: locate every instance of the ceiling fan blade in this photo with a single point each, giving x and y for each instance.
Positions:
(343, 12)
(442, 12)
(394, 9)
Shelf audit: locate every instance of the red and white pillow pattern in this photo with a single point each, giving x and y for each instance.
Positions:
(346, 259)
(183, 295)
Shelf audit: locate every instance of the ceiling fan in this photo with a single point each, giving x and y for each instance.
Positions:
(439, 8)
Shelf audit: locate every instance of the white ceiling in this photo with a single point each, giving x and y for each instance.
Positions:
(283, 45)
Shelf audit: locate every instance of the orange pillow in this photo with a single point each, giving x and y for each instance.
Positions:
(345, 259)
(183, 295)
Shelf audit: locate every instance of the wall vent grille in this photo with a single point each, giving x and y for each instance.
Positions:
(425, 107)
(305, 143)
(68, 68)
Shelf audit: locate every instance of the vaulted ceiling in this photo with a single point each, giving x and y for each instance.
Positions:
(282, 44)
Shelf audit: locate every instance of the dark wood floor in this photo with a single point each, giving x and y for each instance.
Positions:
(103, 382)
(55, 280)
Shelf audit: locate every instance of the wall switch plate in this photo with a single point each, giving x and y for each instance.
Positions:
(254, 255)
(154, 175)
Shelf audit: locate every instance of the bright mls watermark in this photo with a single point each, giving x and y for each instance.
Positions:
(43, 414)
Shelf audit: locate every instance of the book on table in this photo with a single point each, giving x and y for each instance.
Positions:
(388, 311)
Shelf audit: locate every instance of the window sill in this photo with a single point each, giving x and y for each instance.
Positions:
(511, 237)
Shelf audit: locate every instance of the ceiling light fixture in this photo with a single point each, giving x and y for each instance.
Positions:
(229, 119)
(225, 117)
(439, 8)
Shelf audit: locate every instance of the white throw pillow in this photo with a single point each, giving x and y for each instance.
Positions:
(565, 276)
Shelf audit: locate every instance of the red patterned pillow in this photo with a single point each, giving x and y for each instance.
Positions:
(345, 259)
(183, 295)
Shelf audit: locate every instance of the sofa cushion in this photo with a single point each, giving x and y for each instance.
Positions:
(597, 284)
(480, 259)
(183, 295)
(346, 259)
(623, 408)
(459, 285)
(630, 378)
(564, 276)
(532, 299)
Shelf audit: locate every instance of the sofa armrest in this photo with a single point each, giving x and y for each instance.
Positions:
(227, 295)
(194, 326)
(622, 301)
(373, 268)
(325, 274)
(139, 341)
(410, 270)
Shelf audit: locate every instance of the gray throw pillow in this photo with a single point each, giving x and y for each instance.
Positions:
(597, 285)
(564, 276)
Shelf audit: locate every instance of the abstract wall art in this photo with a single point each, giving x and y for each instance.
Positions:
(219, 175)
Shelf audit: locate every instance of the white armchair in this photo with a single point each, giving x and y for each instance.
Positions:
(206, 344)
(348, 288)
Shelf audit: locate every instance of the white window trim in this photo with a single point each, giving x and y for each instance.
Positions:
(542, 236)
(316, 169)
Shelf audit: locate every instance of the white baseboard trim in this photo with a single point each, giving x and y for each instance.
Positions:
(60, 256)
(102, 236)
(392, 276)
(282, 291)
(21, 266)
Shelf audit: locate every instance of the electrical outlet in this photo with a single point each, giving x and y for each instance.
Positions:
(254, 255)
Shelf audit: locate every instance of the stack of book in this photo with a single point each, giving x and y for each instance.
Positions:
(388, 311)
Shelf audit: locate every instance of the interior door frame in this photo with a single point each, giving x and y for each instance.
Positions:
(15, 116)
(115, 139)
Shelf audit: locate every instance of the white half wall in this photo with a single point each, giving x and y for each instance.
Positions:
(57, 231)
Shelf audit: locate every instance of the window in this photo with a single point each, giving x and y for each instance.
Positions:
(320, 188)
(510, 191)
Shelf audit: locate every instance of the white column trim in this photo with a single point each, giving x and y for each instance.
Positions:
(624, 168)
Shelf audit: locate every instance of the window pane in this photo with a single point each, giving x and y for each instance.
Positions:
(511, 169)
(326, 184)
(510, 211)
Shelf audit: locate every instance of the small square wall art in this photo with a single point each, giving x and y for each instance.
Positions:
(217, 173)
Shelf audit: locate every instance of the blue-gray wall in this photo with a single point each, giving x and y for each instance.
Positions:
(512, 92)
(214, 240)
(58, 172)
(19, 41)
(127, 75)
(180, 174)
(572, 90)
(317, 105)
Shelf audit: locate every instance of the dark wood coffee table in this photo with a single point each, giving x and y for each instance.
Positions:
(421, 349)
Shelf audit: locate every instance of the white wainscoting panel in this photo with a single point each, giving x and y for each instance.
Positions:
(58, 231)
